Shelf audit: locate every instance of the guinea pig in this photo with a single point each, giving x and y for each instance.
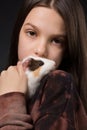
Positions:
(35, 68)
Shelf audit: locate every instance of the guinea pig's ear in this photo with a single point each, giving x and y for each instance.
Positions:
(34, 64)
(25, 64)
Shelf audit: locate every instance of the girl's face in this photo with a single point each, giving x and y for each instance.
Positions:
(42, 34)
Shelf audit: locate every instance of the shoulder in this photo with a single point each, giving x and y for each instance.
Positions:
(60, 73)
(56, 84)
(60, 78)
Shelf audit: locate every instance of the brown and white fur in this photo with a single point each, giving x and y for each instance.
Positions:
(35, 69)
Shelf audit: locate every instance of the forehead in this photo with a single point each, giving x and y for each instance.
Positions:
(43, 16)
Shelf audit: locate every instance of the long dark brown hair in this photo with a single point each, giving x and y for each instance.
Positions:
(74, 60)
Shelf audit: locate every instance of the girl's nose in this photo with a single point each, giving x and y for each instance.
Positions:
(41, 50)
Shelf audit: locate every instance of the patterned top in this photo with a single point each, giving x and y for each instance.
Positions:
(55, 106)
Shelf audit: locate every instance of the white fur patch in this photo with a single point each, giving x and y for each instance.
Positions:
(34, 77)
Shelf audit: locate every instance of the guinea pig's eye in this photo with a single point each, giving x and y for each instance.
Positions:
(40, 63)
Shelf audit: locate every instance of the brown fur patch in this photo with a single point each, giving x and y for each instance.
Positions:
(34, 64)
(37, 71)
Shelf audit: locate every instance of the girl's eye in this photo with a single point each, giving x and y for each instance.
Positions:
(58, 41)
(31, 33)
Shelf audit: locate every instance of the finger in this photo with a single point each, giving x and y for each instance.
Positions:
(12, 71)
(3, 72)
(20, 68)
(12, 68)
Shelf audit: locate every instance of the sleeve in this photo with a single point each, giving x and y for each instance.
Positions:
(57, 108)
(13, 113)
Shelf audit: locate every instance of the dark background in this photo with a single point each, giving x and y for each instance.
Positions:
(8, 13)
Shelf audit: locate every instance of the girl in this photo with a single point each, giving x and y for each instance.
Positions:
(56, 30)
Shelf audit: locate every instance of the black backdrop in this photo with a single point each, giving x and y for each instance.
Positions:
(8, 12)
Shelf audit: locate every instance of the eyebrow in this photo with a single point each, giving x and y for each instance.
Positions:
(54, 35)
(29, 24)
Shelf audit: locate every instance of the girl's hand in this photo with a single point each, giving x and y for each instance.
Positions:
(13, 80)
